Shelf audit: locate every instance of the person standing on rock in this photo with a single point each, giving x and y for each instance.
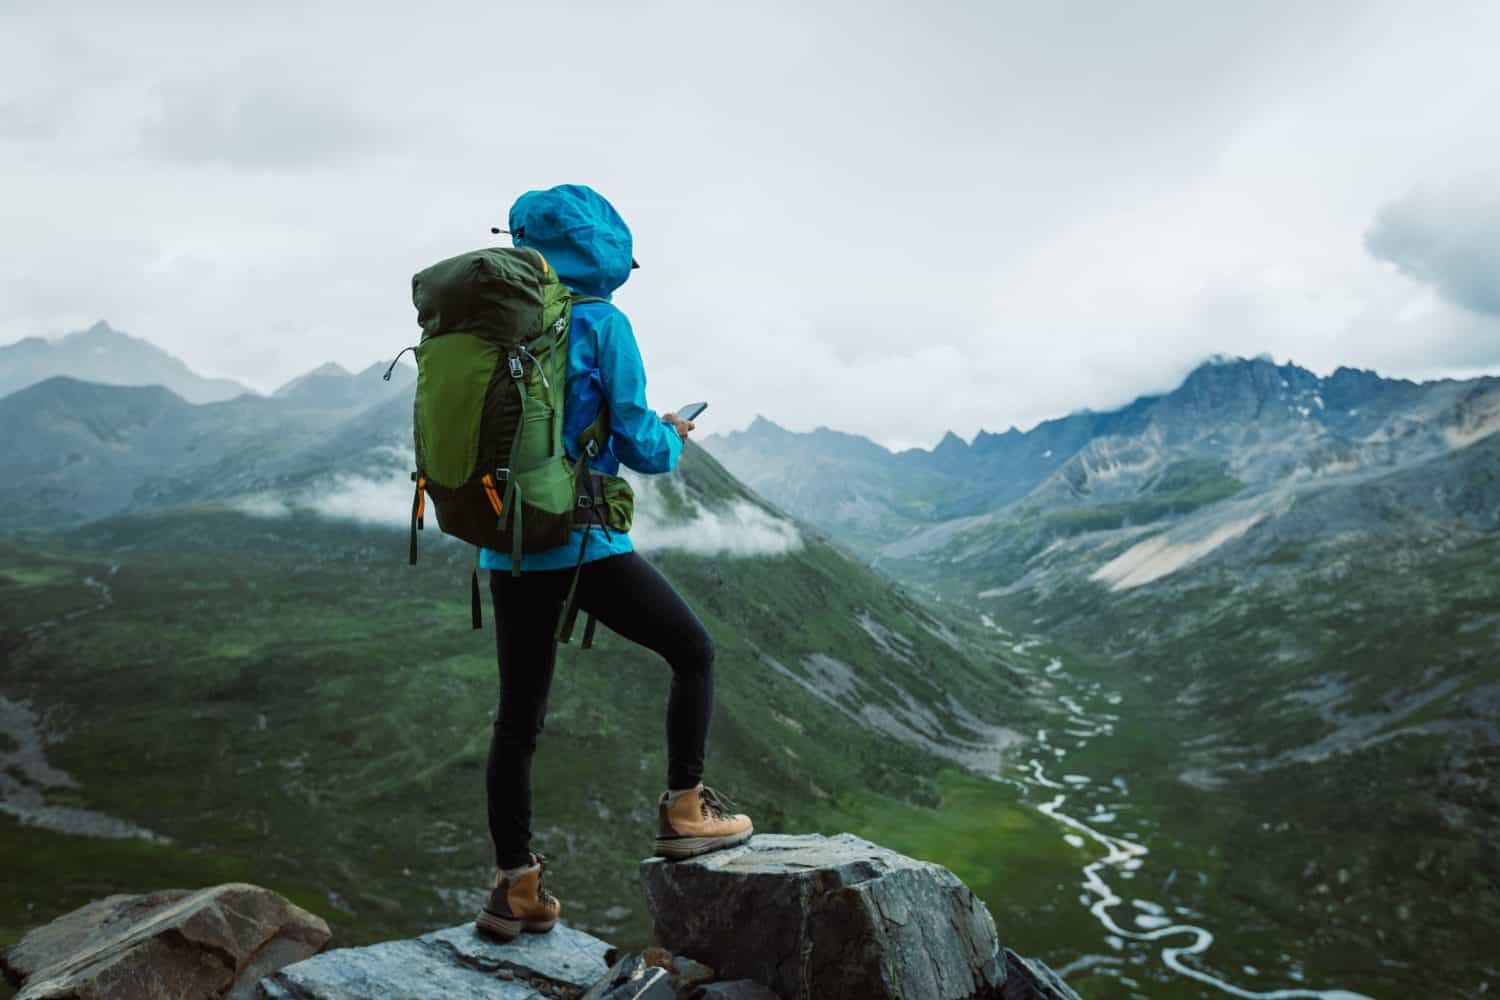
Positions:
(584, 239)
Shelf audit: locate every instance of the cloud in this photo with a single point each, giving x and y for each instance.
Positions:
(667, 516)
(269, 125)
(1448, 238)
(1039, 212)
(737, 529)
(383, 501)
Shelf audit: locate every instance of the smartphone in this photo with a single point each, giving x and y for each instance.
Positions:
(691, 411)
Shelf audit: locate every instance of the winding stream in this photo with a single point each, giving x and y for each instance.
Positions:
(1122, 856)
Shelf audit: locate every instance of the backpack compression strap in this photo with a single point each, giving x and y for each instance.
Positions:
(590, 442)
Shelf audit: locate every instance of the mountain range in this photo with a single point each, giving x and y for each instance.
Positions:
(1252, 620)
(108, 356)
(1236, 429)
(1292, 579)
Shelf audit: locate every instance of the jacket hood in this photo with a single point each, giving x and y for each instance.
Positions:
(580, 234)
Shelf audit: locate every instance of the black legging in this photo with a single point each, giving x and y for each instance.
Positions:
(626, 593)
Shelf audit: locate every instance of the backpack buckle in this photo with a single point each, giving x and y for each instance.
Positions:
(591, 448)
(502, 475)
(516, 371)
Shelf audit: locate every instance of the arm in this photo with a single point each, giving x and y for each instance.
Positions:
(641, 440)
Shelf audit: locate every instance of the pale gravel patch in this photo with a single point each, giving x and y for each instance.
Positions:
(1159, 556)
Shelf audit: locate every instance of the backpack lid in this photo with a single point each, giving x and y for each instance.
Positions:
(498, 293)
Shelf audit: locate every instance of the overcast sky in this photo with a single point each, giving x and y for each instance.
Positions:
(890, 219)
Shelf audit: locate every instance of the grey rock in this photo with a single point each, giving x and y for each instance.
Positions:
(213, 942)
(631, 978)
(825, 918)
(452, 964)
(1028, 979)
(735, 989)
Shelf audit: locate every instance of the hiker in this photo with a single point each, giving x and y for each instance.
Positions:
(585, 241)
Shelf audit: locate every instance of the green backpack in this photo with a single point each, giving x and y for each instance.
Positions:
(491, 371)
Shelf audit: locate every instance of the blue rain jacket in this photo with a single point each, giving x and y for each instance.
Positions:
(589, 245)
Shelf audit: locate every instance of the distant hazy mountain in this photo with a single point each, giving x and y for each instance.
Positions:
(331, 386)
(104, 354)
(848, 485)
(81, 450)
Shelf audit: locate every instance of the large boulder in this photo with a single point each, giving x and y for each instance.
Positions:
(170, 945)
(826, 918)
(453, 964)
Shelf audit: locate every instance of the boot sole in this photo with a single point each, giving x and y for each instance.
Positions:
(509, 928)
(677, 848)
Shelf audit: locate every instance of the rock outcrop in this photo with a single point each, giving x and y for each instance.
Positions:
(779, 918)
(215, 942)
(452, 964)
(824, 918)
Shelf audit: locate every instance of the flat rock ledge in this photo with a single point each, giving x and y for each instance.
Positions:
(457, 963)
(828, 918)
(176, 943)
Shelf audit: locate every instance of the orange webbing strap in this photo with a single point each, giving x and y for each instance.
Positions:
(418, 505)
(494, 494)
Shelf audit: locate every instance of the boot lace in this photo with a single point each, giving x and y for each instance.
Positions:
(542, 894)
(717, 804)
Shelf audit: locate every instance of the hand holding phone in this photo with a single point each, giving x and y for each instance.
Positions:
(682, 420)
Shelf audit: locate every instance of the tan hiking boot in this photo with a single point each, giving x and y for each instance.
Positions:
(697, 821)
(519, 903)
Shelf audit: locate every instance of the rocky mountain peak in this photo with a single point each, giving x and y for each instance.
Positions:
(102, 353)
(950, 443)
(329, 369)
(764, 425)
